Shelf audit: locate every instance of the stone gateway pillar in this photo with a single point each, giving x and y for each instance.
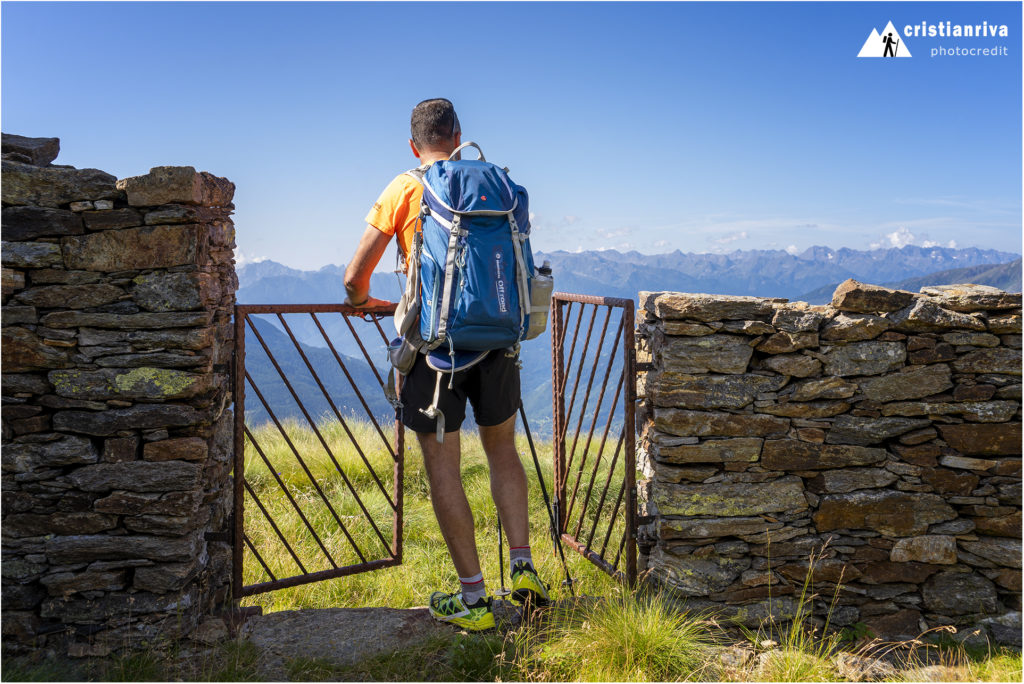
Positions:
(117, 440)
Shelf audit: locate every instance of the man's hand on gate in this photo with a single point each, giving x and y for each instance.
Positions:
(368, 304)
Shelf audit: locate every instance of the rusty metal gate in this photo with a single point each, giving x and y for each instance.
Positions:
(317, 439)
(594, 439)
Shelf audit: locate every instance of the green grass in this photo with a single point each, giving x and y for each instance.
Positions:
(425, 566)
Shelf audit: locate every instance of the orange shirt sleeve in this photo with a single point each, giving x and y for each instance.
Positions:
(396, 210)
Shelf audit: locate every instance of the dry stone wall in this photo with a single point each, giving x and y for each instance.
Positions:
(881, 433)
(117, 302)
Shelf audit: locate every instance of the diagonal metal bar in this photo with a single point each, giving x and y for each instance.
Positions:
(579, 371)
(362, 348)
(273, 524)
(337, 413)
(323, 443)
(622, 545)
(600, 452)
(305, 468)
(615, 512)
(568, 360)
(597, 408)
(352, 382)
(383, 336)
(259, 558)
(604, 491)
(294, 503)
(590, 385)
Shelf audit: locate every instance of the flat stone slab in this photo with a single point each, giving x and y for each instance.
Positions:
(342, 636)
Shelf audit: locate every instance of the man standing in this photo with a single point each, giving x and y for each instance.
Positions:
(491, 386)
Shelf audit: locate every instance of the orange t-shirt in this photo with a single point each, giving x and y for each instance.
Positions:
(397, 209)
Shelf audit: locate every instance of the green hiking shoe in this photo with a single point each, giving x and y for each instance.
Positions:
(527, 587)
(451, 608)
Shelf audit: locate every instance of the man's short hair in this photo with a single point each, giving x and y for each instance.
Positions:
(434, 122)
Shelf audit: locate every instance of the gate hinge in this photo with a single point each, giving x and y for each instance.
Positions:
(644, 367)
(644, 519)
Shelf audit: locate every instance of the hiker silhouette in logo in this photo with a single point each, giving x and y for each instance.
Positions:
(890, 50)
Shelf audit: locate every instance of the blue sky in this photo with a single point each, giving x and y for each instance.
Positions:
(655, 127)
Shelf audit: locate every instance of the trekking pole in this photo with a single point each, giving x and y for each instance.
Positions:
(547, 502)
(897, 50)
(501, 561)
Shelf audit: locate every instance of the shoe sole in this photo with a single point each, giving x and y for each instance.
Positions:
(471, 625)
(529, 596)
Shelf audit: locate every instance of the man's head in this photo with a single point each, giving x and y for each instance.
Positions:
(435, 127)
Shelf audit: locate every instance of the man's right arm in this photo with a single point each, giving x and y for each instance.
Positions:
(357, 274)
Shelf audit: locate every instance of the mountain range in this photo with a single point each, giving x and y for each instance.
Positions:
(809, 276)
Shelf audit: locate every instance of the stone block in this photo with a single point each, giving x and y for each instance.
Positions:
(22, 457)
(716, 424)
(847, 429)
(909, 383)
(174, 291)
(927, 316)
(53, 186)
(1002, 551)
(681, 390)
(959, 593)
(120, 449)
(165, 577)
(67, 583)
(177, 185)
(696, 576)
(946, 481)
(1001, 439)
(823, 388)
(999, 360)
(37, 525)
(786, 342)
(142, 417)
(179, 449)
(971, 297)
(938, 354)
(805, 409)
(853, 327)
(797, 320)
(1000, 526)
(708, 354)
(978, 411)
(29, 223)
(35, 151)
(740, 449)
(720, 499)
(142, 384)
(92, 547)
(936, 549)
(865, 358)
(22, 350)
(897, 514)
(789, 454)
(707, 307)
(850, 479)
(70, 296)
(29, 254)
(124, 502)
(112, 219)
(138, 476)
(974, 339)
(795, 365)
(858, 297)
(76, 319)
(703, 528)
(1004, 324)
(973, 392)
(136, 248)
(181, 213)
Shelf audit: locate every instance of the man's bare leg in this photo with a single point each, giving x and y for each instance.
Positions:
(448, 497)
(508, 480)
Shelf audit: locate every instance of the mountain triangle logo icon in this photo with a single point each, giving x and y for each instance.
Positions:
(888, 43)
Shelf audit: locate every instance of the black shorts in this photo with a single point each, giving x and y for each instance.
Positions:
(492, 387)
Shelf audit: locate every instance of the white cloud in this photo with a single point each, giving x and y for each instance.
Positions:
(731, 237)
(661, 244)
(901, 237)
(241, 258)
(570, 219)
(793, 249)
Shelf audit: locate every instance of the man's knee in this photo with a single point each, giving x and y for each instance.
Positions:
(496, 436)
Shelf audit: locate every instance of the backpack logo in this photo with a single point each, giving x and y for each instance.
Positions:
(499, 282)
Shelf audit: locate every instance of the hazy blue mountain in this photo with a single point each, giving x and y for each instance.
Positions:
(1004, 276)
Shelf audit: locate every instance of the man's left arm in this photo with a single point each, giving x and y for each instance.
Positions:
(357, 274)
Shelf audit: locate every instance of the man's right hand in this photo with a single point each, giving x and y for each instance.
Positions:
(370, 303)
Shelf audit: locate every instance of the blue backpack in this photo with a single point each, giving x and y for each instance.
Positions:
(470, 268)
